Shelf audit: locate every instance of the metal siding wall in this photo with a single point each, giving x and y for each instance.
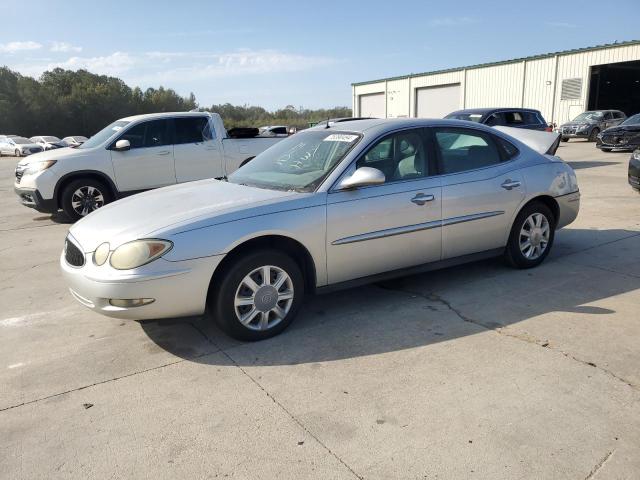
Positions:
(502, 85)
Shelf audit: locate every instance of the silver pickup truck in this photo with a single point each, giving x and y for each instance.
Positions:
(131, 155)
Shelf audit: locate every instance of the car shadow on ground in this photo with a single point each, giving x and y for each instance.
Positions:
(590, 164)
(419, 310)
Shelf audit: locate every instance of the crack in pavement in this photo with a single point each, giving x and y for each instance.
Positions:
(433, 297)
(278, 404)
(594, 471)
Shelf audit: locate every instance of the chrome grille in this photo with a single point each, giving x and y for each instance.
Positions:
(72, 254)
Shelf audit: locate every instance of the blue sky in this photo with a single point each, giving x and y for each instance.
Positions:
(292, 52)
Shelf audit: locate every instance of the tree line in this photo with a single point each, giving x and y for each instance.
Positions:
(65, 102)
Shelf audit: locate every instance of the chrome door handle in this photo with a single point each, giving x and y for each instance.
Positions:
(164, 153)
(509, 184)
(421, 199)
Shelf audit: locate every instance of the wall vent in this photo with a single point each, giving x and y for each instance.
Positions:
(571, 89)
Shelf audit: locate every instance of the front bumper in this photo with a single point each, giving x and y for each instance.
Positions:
(30, 197)
(575, 134)
(179, 289)
(616, 145)
(634, 173)
(569, 207)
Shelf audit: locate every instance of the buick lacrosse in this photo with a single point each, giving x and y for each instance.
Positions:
(326, 208)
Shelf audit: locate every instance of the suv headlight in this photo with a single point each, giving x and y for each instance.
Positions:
(36, 167)
(139, 252)
(582, 127)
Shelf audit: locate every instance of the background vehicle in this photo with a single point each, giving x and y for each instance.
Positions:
(18, 146)
(625, 136)
(325, 208)
(505, 117)
(48, 142)
(131, 155)
(274, 131)
(590, 123)
(634, 170)
(74, 141)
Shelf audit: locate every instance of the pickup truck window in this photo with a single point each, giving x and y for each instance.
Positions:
(298, 163)
(104, 134)
(154, 133)
(192, 130)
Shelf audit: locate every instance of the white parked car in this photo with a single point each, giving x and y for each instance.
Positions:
(74, 141)
(131, 155)
(18, 146)
(325, 208)
(48, 142)
(274, 131)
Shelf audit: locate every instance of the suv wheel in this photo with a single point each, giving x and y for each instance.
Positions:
(259, 295)
(594, 134)
(83, 196)
(17, 153)
(531, 236)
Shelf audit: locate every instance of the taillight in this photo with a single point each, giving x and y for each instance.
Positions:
(548, 129)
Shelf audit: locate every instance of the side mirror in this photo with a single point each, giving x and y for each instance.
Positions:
(122, 145)
(362, 177)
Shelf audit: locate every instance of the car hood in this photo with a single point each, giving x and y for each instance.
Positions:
(178, 207)
(27, 145)
(577, 124)
(57, 154)
(623, 129)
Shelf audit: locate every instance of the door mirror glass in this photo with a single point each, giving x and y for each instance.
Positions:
(362, 177)
(122, 145)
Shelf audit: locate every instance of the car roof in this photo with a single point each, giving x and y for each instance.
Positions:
(382, 125)
(151, 116)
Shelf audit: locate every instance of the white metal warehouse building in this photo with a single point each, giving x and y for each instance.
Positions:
(560, 85)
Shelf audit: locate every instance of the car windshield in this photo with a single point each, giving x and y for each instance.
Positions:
(589, 117)
(21, 140)
(299, 163)
(104, 134)
(632, 120)
(470, 117)
(51, 139)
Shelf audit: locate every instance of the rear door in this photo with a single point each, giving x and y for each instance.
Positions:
(149, 161)
(386, 227)
(196, 150)
(481, 189)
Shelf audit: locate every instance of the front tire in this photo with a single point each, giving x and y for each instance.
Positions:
(531, 236)
(258, 296)
(593, 135)
(565, 139)
(17, 153)
(83, 196)
(605, 149)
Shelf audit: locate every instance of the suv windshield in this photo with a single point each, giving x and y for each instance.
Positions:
(632, 120)
(104, 134)
(470, 117)
(589, 117)
(299, 163)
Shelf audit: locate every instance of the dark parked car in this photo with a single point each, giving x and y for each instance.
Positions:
(625, 136)
(506, 117)
(590, 123)
(634, 170)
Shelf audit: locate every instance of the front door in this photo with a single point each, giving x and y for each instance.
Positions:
(149, 162)
(482, 188)
(386, 227)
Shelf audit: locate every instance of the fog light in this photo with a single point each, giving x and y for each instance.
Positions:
(130, 302)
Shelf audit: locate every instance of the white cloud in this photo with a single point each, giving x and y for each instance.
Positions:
(64, 47)
(452, 21)
(13, 47)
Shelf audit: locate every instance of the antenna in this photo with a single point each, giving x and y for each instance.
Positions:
(328, 118)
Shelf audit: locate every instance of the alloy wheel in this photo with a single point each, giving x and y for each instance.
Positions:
(86, 199)
(264, 297)
(534, 236)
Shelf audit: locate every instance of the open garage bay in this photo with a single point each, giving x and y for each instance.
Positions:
(479, 371)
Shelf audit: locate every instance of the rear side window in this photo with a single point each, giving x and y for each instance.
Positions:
(148, 134)
(192, 130)
(531, 118)
(461, 150)
(507, 149)
(513, 118)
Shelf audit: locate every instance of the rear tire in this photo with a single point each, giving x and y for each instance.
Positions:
(247, 307)
(83, 196)
(531, 236)
(593, 135)
(565, 139)
(605, 149)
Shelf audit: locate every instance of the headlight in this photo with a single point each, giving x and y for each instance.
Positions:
(101, 254)
(139, 252)
(39, 166)
(582, 127)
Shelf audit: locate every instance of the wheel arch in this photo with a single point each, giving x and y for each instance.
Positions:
(93, 174)
(548, 201)
(296, 250)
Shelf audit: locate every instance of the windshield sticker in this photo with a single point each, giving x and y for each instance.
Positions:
(340, 137)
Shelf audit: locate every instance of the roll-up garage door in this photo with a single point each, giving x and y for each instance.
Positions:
(372, 105)
(437, 102)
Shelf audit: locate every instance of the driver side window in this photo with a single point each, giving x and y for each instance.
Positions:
(400, 156)
(148, 134)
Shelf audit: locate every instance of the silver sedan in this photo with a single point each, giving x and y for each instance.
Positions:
(326, 208)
